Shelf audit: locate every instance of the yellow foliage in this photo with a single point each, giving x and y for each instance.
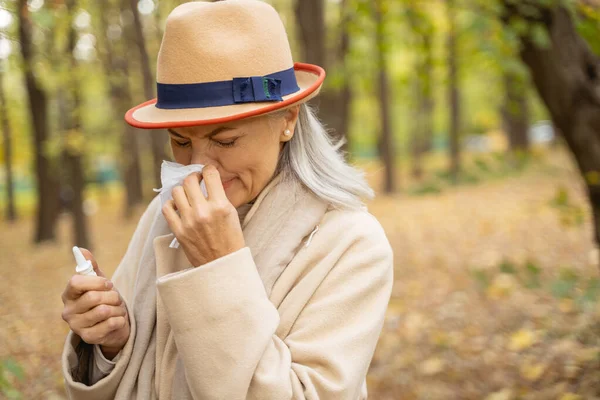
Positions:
(532, 371)
(504, 394)
(432, 366)
(74, 142)
(570, 396)
(592, 178)
(522, 339)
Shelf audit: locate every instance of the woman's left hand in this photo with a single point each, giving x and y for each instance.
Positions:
(206, 228)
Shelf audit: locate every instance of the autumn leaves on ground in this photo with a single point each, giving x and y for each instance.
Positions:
(496, 291)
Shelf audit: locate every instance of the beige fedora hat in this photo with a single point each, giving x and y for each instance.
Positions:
(224, 61)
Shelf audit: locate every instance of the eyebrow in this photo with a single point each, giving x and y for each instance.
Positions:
(211, 134)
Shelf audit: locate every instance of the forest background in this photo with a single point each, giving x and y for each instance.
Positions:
(477, 122)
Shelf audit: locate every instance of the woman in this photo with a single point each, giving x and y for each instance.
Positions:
(279, 287)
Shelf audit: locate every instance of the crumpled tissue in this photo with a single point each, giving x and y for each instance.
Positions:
(171, 175)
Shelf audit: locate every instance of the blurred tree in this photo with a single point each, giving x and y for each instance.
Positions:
(47, 183)
(453, 91)
(515, 111)
(158, 138)
(422, 31)
(566, 74)
(114, 57)
(335, 99)
(11, 213)
(386, 142)
(73, 148)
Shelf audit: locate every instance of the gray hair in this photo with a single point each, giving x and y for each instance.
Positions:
(312, 157)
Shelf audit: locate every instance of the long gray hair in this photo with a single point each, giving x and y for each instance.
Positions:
(312, 157)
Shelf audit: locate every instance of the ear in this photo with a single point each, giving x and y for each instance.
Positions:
(290, 118)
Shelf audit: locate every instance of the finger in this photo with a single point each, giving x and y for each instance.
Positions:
(212, 180)
(191, 184)
(93, 298)
(89, 256)
(171, 216)
(97, 315)
(79, 284)
(96, 333)
(180, 200)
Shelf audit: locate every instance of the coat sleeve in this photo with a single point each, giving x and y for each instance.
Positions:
(81, 358)
(224, 326)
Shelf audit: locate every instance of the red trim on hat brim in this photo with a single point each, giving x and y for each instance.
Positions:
(263, 110)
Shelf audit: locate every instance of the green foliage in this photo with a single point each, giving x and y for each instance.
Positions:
(568, 285)
(10, 370)
(570, 214)
(564, 286)
(539, 36)
(588, 25)
(531, 275)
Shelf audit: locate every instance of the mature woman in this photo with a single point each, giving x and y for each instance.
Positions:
(279, 287)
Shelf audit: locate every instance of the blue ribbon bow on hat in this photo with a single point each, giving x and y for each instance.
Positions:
(251, 89)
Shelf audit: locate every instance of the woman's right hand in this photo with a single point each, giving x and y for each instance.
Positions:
(95, 310)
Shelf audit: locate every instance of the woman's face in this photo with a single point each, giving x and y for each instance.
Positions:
(245, 152)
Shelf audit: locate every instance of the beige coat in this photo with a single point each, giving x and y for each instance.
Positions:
(294, 315)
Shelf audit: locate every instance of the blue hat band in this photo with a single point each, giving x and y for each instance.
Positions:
(252, 89)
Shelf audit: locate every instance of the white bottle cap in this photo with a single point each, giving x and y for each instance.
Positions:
(84, 267)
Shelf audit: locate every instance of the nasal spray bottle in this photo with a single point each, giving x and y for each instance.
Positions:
(84, 267)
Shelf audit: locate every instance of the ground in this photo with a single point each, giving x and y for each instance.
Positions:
(495, 293)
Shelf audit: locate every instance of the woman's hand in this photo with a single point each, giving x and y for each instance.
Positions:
(206, 228)
(95, 311)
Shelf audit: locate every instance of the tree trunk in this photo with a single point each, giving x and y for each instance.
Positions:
(416, 141)
(427, 101)
(386, 143)
(515, 112)
(333, 104)
(422, 123)
(73, 155)
(158, 137)
(114, 59)
(47, 184)
(11, 213)
(453, 93)
(567, 77)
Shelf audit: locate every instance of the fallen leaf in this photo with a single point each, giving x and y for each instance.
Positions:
(432, 366)
(570, 396)
(521, 340)
(504, 394)
(532, 371)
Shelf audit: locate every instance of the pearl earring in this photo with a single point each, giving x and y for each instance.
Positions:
(287, 132)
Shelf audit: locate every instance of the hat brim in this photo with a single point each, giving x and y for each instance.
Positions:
(309, 77)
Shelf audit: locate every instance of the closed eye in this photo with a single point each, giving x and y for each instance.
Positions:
(225, 144)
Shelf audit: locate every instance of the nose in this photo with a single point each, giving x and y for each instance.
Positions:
(202, 157)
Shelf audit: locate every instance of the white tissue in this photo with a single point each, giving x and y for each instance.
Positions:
(172, 174)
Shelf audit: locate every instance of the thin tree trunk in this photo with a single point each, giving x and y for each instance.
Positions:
(116, 66)
(417, 139)
(515, 112)
(422, 123)
(567, 77)
(386, 143)
(427, 101)
(47, 184)
(11, 213)
(158, 138)
(453, 93)
(74, 156)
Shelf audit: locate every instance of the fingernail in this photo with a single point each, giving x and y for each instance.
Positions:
(108, 284)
